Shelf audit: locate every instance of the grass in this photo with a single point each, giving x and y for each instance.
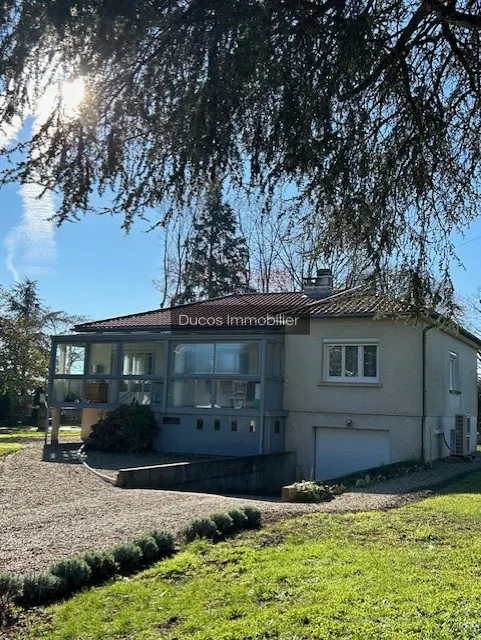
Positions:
(9, 447)
(404, 574)
(23, 434)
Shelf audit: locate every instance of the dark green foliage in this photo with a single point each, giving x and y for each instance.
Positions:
(74, 572)
(239, 519)
(128, 556)
(223, 522)
(102, 565)
(10, 589)
(165, 542)
(217, 258)
(41, 587)
(254, 516)
(148, 546)
(370, 109)
(201, 528)
(128, 429)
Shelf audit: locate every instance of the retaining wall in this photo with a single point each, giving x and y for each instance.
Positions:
(247, 475)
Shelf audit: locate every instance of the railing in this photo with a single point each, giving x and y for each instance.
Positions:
(116, 403)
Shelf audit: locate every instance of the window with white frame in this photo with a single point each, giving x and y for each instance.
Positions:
(453, 371)
(351, 361)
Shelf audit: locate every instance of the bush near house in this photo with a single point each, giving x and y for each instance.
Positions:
(126, 429)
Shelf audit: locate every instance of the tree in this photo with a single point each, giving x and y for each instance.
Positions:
(370, 111)
(216, 257)
(24, 343)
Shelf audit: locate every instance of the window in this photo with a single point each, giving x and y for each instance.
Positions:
(277, 426)
(200, 424)
(193, 358)
(70, 359)
(97, 391)
(138, 359)
(135, 390)
(351, 362)
(143, 358)
(231, 358)
(453, 371)
(170, 420)
(252, 426)
(217, 424)
(190, 393)
(275, 364)
(233, 425)
(68, 391)
(237, 394)
(102, 358)
(237, 357)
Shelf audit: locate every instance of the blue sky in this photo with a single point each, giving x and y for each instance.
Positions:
(93, 268)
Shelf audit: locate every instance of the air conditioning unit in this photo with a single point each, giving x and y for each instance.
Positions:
(461, 435)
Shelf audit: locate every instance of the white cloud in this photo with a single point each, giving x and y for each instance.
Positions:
(30, 245)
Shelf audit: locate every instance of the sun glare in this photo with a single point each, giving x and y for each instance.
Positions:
(72, 94)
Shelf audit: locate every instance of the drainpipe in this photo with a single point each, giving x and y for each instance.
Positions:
(424, 379)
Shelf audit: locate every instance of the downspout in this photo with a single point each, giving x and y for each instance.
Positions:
(424, 380)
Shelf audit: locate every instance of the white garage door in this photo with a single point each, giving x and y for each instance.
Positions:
(343, 451)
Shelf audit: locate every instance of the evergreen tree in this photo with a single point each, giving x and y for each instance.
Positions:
(217, 257)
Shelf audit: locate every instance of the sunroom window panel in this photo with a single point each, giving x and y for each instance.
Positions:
(102, 358)
(193, 358)
(237, 394)
(190, 393)
(70, 359)
(135, 391)
(237, 358)
(67, 391)
(138, 359)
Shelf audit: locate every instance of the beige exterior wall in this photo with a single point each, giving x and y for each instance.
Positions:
(89, 418)
(395, 403)
(442, 404)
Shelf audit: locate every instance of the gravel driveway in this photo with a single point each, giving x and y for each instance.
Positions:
(50, 509)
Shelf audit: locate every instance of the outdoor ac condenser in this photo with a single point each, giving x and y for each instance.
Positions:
(461, 435)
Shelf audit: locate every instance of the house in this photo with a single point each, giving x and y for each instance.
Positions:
(341, 378)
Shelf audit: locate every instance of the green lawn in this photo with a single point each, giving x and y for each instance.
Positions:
(411, 573)
(19, 434)
(9, 447)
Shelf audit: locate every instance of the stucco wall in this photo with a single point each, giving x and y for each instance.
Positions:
(442, 404)
(394, 404)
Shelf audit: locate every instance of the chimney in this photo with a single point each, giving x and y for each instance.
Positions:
(319, 287)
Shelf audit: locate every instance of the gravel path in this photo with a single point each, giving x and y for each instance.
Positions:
(49, 510)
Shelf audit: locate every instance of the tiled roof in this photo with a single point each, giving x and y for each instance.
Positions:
(350, 302)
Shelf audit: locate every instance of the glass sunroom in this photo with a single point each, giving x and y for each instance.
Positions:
(219, 395)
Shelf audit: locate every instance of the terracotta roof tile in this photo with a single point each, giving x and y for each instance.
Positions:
(350, 302)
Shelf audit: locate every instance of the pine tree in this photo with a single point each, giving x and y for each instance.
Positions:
(217, 257)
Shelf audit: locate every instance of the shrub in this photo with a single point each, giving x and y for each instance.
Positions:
(126, 429)
(10, 589)
(102, 565)
(128, 556)
(239, 519)
(165, 542)
(40, 587)
(75, 573)
(201, 528)
(254, 516)
(223, 522)
(148, 546)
